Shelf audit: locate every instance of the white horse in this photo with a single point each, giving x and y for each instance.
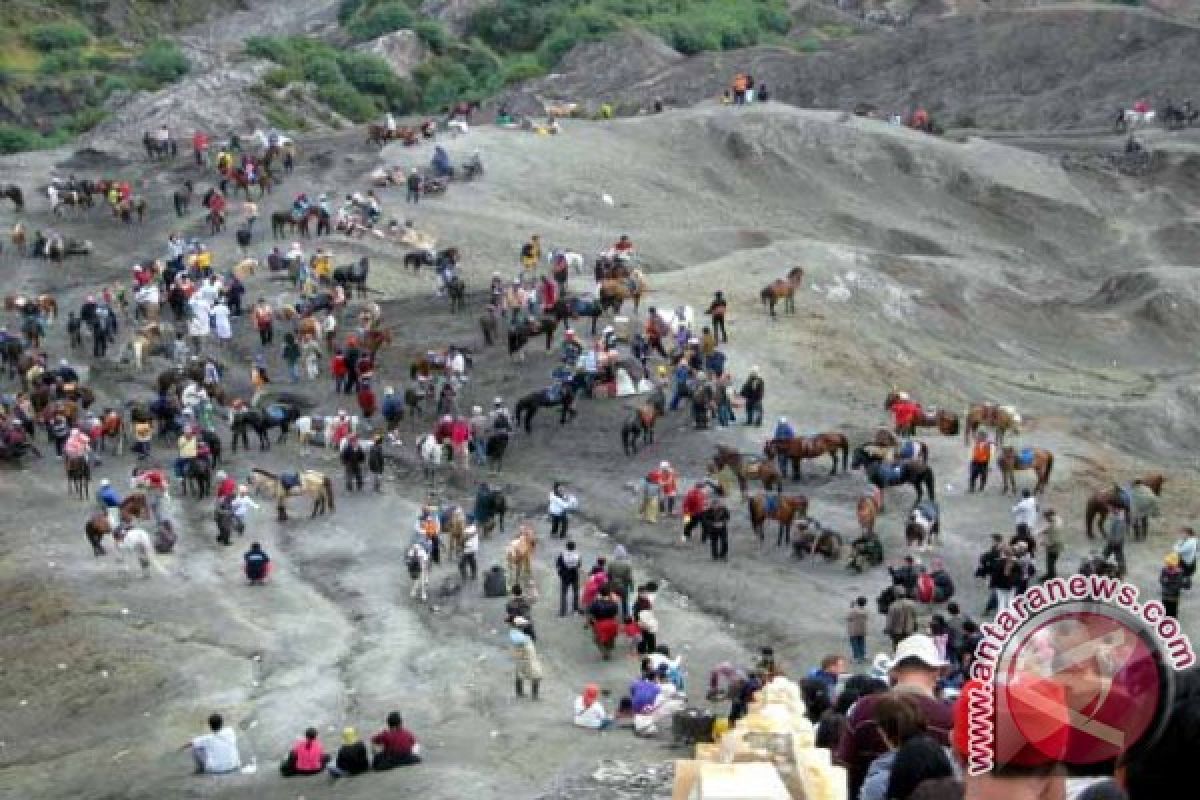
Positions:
(310, 427)
(1137, 119)
(574, 259)
(432, 453)
(681, 317)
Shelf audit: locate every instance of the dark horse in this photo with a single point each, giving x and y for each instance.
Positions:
(353, 276)
(895, 473)
(261, 421)
(641, 422)
(14, 193)
(528, 405)
(520, 334)
(799, 448)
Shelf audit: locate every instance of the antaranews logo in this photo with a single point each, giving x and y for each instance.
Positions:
(1074, 672)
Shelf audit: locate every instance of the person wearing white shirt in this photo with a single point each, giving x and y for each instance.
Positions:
(589, 712)
(216, 753)
(457, 364)
(560, 506)
(137, 541)
(220, 315)
(1025, 512)
(200, 323)
(1185, 548)
(468, 567)
(242, 505)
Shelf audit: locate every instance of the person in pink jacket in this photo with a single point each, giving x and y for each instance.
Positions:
(307, 756)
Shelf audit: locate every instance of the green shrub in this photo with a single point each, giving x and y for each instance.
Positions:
(385, 18)
(366, 73)
(347, 9)
(523, 68)
(347, 101)
(113, 83)
(162, 62)
(323, 71)
(14, 139)
(86, 119)
(431, 32)
(60, 62)
(271, 48)
(57, 36)
(809, 44)
(279, 77)
(516, 25)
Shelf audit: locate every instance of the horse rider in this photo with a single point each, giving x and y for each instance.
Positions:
(110, 501)
(226, 487)
(623, 249)
(784, 431)
(154, 483)
(571, 348)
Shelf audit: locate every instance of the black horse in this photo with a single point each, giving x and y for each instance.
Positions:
(490, 508)
(895, 473)
(14, 193)
(568, 308)
(353, 276)
(198, 475)
(431, 258)
(456, 292)
(261, 421)
(519, 335)
(638, 425)
(563, 398)
(494, 449)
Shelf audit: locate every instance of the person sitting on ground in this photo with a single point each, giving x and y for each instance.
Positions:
(306, 757)
(258, 564)
(352, 756)
(394, 746)
(216, 752)
(589, 711)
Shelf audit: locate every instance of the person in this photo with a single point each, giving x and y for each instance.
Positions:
(589, 711)
(856, 629)
(899, 720)
(1170, 580)
(242, 504)
(620, 578)
(1165, 765)
(352, 456)
(1116, 528)
(567, 565)
(258, 564)
(559, 508)
(394, 746)
(901, 617)
(921, 762)
(412, 185)
(695, 503)
(352, 757)
(668, 485)
(647, 621)
(832, 667)
(1025, 512)
(216, 752)
(110, 501)
(752, 392)
(716, 529)
(417, 561)
(1052, 539)
(1005, 576)
(306, 757)
(528, 667)
(291, 356)
(785, 432)
(518, 605)
(1185, 548)
(981, 459)
(468, 564)
(716, 310)
(602, 614)
(376, 462)
(914, 673)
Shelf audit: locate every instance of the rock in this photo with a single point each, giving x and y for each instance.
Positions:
(454, 14)
(402, 50)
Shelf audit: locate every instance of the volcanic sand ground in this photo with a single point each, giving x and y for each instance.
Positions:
(959, 271)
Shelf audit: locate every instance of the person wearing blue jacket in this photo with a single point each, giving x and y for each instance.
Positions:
(783, 430)
(110, 501)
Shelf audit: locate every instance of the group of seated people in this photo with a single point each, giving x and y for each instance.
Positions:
(653, 699)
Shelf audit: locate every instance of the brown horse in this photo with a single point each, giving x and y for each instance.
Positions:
(783, 508)
(946, 422)
(1101, 502)
(1009, 462)
(19, 239)
(783, 289)
(799, 448)
(867, 511)
(615, 291)
(747, 469)
(376, 339)
(112, 427)
(456, 531)
(1004, 419)
(79, 476)
(95, 528)
(641, 422)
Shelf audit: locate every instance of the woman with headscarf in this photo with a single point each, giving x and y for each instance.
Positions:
(620, 578)
(589, 712)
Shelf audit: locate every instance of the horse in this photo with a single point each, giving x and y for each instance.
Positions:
(1128, 118)
(783, 289)
(353, 276)
(519, 556)
(375, 339)
(182, 198)
(456, 293)
(1101, 502)
(568, 308)
(281, 487)
(455, 528)
(1175, 117)
(261, 421)
(112, 427)
(490, 508)
(815, 540)
(867, 511)
(494, 449)
(615, 291)
(745, 470)
(198, 475)
(528, 405)
(14, 193)
(641, 422)
(882, 475)
(79, 476)
(946, 422)
(1010, 461)
(19, 239)
(45, 304)
(432, 454)
(147, 339)
(1004, 419)
(380, 134)
(799, 448)
(281, 220)
(519, 335)
(780, 507)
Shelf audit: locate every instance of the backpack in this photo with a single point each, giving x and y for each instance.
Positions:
(925, 588)
(495, 583)
(502, 423)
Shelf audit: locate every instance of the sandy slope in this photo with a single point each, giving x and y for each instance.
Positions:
(962, 272)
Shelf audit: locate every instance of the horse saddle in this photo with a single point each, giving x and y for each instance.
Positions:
(771, 504)
(289, 480)
(908, 449)
(552, 394)
(276, 412)
(1025, 457)
(1124, 497)
(892, 471)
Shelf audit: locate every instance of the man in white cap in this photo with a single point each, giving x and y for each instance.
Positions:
(914, 674)
(752, 392)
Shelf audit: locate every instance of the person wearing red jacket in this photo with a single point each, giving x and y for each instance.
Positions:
(226, 487)
(695, 503)
(444, 430)
(905, 414)
(668, 485)
(337, 368)
(548, 292)
(366, 399)
(460, 435)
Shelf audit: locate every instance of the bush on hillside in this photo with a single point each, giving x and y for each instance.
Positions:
(162, 62)
(434, 36)
(385, 18)
(516, 25)
(60, 62)
(14, 139)
(57, 36)
(347, 101)
(523, 68)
